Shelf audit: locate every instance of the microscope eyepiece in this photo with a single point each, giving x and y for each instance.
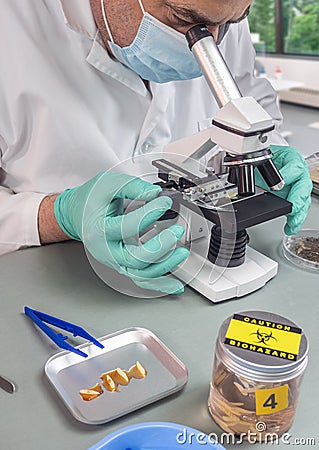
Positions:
(196, 33)
(203, 46)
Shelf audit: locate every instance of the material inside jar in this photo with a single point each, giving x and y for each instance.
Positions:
(232, 404)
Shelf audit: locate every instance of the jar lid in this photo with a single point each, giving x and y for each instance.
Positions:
(262, 345)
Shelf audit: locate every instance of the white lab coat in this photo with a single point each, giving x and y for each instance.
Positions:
(68, 111)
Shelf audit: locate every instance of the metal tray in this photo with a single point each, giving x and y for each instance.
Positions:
(69, 373)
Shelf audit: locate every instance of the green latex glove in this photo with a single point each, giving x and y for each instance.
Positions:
(298, 184)
(94, 214)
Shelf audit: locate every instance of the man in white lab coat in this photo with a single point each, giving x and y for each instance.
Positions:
(86, 84)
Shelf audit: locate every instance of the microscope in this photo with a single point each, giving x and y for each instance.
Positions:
(217, 208)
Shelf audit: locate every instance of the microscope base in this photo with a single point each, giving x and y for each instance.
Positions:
(218, 283)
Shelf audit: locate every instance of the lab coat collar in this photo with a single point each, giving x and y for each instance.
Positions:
(101, 60)
(79, 17)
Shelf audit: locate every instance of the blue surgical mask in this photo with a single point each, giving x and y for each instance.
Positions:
(158, 53)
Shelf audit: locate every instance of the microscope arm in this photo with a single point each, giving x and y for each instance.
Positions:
(241, 126)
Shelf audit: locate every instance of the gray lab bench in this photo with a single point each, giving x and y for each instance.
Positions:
(59, 280)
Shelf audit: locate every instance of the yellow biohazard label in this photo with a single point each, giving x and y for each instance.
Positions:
(270, 401)
(264, 337)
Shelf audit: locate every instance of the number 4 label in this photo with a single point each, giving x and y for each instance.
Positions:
(269, 401)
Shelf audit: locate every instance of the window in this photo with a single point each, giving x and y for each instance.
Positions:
(297, 30)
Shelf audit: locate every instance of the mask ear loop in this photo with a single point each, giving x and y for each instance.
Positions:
(106, 22)
(142, 7)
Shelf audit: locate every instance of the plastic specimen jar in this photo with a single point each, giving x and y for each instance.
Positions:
(260, 359)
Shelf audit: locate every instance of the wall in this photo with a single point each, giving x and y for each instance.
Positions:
(304, 70)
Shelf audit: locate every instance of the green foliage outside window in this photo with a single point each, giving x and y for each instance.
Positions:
(262, 22)
(300, 27)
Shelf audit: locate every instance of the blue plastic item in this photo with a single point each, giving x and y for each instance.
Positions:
(39, 318)
(157, 436)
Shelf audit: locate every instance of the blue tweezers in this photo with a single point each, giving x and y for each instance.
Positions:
(39, 318)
